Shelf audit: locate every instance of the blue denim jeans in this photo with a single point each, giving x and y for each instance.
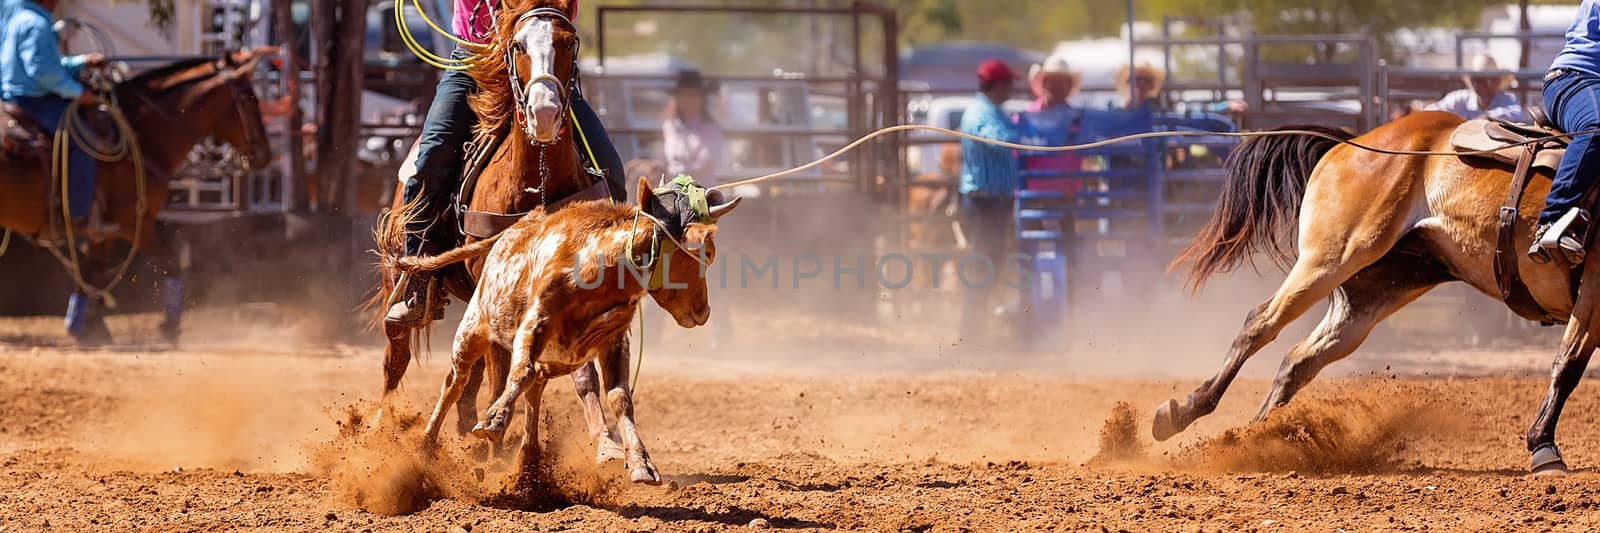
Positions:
(47, 111)
(1573, 102)
(442, 149)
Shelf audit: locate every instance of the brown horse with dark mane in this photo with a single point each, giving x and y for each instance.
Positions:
(170, 110)
(524, 89)
(1371, 232)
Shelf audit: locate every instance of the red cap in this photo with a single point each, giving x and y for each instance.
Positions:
(995, 70)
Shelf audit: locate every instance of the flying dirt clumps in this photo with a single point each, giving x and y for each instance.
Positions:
(1119, 437)
(1362, 432)
(385, 470)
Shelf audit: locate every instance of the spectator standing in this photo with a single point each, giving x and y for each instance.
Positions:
(989, 180)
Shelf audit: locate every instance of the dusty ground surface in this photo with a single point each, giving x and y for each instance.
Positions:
(263, 433)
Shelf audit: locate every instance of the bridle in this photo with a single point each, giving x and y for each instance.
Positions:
(519, 90)
(244, 96)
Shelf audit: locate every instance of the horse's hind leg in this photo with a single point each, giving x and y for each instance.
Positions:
(396, 357)
(1314, 276)
(586, 382)
(614, 377)
(1579, 342)
(1355, 308)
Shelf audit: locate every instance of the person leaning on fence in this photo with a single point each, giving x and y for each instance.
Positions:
(989, 180)
(1485, 95)
(36, 78)
(1572, 99)
(447, 130)
(1141, 91)
(691, 138)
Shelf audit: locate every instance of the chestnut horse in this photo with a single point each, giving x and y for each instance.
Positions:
(1372, 232)
(170, 109)
(527, 80)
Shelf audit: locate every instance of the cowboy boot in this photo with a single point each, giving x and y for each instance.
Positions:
(416, 288)
(411, 309)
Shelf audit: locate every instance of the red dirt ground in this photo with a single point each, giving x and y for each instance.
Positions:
(257, 434)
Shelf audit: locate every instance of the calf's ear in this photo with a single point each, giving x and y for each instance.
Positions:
(646, 194)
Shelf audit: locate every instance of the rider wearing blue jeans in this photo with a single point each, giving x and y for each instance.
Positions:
(442, 148)
(1572, 99)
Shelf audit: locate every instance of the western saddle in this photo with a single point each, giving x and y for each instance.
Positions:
(21, 137)
(1524, 148)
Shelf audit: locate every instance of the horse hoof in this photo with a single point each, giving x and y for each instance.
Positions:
(489, 431)
(645, 474)
(1546, 461)
(1164, 424)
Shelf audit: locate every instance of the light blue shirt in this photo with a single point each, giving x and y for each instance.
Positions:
(30, 56)
(1464, 102)
(1582, 51)
(985, 168)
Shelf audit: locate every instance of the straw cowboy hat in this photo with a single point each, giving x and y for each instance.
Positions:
(1156, 76)
(1485, 63)
(1055, 65)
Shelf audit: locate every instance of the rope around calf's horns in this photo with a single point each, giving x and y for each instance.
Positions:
(1134, 137)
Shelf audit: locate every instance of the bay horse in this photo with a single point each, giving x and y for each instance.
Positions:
(524, 87)
(1372, 232)
(170, 109)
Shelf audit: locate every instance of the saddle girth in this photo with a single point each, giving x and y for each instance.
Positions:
(1507, 276)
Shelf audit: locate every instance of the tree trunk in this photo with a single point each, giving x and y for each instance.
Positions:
(340, 28)
(283, 18)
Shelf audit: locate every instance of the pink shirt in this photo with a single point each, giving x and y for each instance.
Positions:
(474, 19)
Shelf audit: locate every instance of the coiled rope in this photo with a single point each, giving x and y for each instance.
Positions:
(70, 130)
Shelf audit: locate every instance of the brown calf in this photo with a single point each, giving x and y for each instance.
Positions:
(558, 290)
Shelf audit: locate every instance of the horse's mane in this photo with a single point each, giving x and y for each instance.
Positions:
(170, 76)
(493, 102)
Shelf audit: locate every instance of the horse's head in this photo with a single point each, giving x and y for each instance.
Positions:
(689, 214)
(536, 61)
(244, 129)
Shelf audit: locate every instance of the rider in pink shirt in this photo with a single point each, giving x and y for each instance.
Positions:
(441, 148)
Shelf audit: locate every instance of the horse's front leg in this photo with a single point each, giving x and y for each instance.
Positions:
(1582, 335)
(614, 375)
(167, 258)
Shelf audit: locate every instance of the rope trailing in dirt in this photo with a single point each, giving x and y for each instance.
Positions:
(1125, 138)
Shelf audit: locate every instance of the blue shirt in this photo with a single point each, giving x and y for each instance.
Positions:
(30, 56)
(1582, 52)
(986, 168)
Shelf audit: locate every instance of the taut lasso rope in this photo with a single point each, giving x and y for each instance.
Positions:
(1134, 137)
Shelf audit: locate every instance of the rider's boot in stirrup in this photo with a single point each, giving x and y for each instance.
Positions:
(1563, 238)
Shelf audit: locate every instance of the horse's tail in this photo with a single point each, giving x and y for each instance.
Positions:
(1259, 209)
(457, 255)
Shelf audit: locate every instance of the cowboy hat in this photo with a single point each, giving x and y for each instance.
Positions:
(1055, 66)
(1485, 64)
(1125, 80)
(691, 79)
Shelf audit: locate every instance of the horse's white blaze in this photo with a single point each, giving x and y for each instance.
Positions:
(543, 104)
